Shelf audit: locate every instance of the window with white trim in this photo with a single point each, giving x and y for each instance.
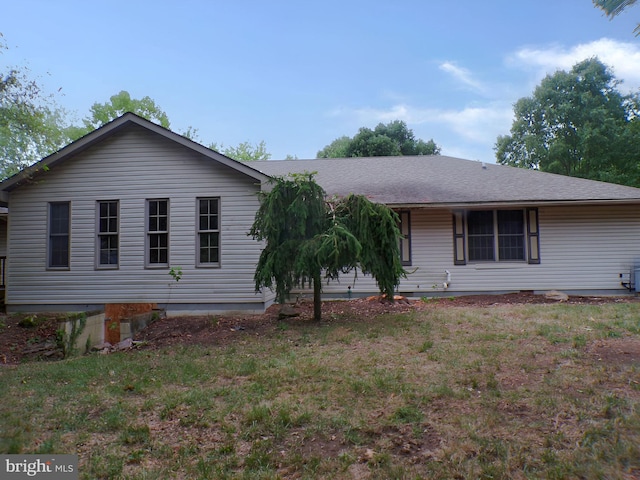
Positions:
(208, 235)
(158, 233)
(59, 235)
(108, 234)
(496, 236)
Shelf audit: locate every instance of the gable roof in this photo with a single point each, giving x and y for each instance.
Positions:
(448, 181)
(108, 130)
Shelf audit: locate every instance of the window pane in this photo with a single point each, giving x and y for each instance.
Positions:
(164, 239)
(109, 250)
(59, 251)
(158, 216)
(480, 222)
(510, 222)
(511, 235)
(481, 236)
(209, 247)
(208, 214)
(158, 248)
(481, 247)
(59, 221)
(511, 247)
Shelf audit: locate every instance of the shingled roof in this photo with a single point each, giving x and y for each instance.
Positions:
(447, 181)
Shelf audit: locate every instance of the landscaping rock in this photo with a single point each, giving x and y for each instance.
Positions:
(102, 346)
(288, 311)
(123, 345)
(555, 295)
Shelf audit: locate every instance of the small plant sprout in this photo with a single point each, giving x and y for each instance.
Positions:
(176, 273)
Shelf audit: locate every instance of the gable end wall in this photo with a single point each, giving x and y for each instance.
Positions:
(132, 166)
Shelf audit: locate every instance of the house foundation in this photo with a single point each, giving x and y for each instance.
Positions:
(115, 313)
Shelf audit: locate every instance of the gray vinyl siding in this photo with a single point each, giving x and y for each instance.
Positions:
(132, 166)
(582, 249)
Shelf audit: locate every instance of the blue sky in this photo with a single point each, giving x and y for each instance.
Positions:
(298, 74)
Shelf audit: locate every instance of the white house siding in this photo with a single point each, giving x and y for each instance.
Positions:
(583, 249)
(132, 166)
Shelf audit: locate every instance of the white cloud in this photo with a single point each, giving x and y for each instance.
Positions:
(470, 130)
(462, 75)
(479, 124)
(622, 57)
(475, 124)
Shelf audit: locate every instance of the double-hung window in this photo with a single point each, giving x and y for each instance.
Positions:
(208, 236)
(59, 235)
(496, 236)
(108, 234)
(157, 233)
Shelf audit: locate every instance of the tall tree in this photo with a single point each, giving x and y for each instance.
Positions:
(339, 148)
(576, 123)
(392, 139)
(305, 234)
(31, 123)
(245, 151)
(615, 7)
(119, 104)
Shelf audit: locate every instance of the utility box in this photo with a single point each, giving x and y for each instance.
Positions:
(636, 278)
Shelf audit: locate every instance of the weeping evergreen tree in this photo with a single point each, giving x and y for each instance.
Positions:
(307, 237)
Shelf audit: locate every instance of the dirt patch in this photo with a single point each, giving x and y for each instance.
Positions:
(19, 343)
(618, 350)
(525, 298)
(225, 329)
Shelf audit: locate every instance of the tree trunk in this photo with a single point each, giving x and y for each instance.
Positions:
(317, 298)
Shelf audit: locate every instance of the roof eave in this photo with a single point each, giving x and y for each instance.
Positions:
(518, 203)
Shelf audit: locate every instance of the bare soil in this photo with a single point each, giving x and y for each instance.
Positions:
(17, 341)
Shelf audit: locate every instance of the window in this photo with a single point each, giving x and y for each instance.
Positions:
(158, 233)
(208, 231)
(405, 240)
(480, 235)
(510, 235)
(496, 235)
(108, 237)
(59, 229)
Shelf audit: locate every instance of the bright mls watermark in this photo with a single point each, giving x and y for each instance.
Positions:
(50, 467)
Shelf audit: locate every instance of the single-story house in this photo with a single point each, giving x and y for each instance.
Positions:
(133, 213)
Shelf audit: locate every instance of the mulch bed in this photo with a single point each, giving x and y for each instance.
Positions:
(17, 341)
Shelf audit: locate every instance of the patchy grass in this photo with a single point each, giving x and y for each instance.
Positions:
(544, 391)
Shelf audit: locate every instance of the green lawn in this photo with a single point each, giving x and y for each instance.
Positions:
(544, 391)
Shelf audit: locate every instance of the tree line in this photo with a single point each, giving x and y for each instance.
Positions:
(575, 123)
